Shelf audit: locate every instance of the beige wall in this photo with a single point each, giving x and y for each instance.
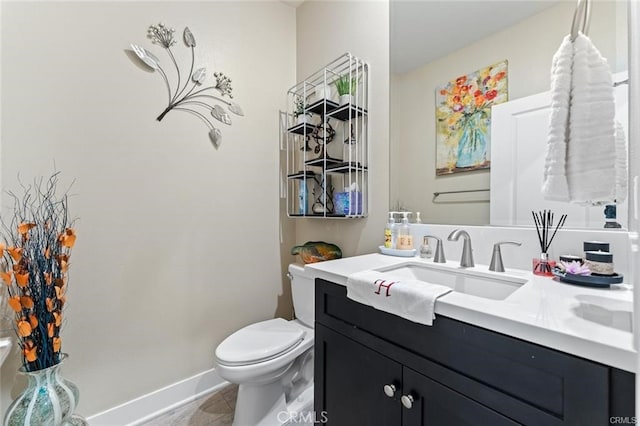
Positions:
(325, 30)
(529, 47)
(178, 243)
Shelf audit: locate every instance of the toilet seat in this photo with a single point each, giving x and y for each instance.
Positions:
(260, 342)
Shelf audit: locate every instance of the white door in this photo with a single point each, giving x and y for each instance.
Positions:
(518, 141)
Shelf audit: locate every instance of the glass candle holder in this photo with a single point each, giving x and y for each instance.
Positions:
(542, 265)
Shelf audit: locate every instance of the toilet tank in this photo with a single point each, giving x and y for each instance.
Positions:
(303, 293)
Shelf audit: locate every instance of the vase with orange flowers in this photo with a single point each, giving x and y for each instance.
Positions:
(35, 260)
(463, 116)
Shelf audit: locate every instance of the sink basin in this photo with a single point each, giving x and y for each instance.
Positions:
(489, 285)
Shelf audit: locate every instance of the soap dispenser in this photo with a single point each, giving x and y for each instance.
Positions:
(389, 233)
(405, 240)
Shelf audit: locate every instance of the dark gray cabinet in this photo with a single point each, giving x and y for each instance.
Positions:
(452, 373)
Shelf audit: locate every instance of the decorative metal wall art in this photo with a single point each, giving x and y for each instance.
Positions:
(189, 96)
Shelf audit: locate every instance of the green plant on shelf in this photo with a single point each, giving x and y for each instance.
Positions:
(300, 107)
(346, 85)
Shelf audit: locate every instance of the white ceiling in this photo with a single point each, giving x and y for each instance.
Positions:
(425, 30)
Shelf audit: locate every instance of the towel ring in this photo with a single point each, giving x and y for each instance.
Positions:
(582, 12)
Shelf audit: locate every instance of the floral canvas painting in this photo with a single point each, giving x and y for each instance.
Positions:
(463, 119)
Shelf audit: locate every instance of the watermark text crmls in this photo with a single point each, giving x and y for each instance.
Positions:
(304, 417)
(623, 420)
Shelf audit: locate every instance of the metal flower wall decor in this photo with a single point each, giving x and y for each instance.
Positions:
(190, 95)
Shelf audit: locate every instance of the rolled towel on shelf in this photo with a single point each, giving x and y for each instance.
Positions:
(410, 299)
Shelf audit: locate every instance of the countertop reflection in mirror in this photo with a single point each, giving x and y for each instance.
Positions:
(435, 41)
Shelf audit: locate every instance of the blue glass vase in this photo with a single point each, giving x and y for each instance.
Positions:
(48, 400)
(472, 146)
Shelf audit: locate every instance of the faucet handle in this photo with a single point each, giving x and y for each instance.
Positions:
(496, 258)
(438, 256)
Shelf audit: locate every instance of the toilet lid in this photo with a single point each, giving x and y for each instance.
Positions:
(259, 342)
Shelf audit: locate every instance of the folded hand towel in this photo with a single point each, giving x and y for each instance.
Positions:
(581, 152)
(410, 299)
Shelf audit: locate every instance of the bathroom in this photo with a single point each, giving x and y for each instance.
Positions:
(156, 285)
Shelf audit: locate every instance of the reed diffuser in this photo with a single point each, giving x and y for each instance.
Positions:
(544, 221)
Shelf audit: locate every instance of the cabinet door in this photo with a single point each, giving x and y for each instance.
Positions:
(437, 405)
(350, 380)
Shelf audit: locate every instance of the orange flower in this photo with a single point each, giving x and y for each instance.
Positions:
(26, 302)
(58, 317)
(63, 260)
(14, 302)
(443, 92)
(60, 293)
(30, 351)
(68, 238)
(50, 329)
(57, 342)
(6, 277)
(464, 90)
(23, 228)
(461, 80)
(500, 75)
(479, 100)
(24, 328)
(491, 94)
(22, 279)
(16, 253)
(33, 321)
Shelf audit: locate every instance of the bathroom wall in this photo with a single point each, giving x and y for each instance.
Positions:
(178, 243)
(528, 46)
(325, 30)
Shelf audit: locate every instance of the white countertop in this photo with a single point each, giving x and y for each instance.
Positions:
(592, 323)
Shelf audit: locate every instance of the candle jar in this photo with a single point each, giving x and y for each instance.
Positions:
(542, 265)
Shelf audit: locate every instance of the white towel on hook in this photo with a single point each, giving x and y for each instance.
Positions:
(581, 147)
(622, 164)
(554, 185)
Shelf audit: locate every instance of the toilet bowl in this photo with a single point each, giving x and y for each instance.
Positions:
(272, 362)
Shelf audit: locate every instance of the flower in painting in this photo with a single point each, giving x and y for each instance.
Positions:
(463, 115)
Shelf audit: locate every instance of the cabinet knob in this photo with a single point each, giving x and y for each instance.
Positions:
(407, 401)
(390, 390)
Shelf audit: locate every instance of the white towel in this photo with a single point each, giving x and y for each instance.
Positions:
(581, 147)
(554, 185)
(622, 164)
(410, 299)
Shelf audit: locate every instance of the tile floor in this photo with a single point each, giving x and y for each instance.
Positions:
(211, 410)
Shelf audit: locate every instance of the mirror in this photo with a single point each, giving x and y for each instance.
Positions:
(434, 42)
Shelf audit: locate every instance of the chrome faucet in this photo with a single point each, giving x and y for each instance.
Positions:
(496, 258)
(466, 261)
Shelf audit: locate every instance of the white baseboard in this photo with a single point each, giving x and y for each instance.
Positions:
(160, 401)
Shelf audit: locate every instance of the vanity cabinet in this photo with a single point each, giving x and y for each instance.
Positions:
(375, 368)
(325, 135)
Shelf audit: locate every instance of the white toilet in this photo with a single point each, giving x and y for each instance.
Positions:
(272, 362)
